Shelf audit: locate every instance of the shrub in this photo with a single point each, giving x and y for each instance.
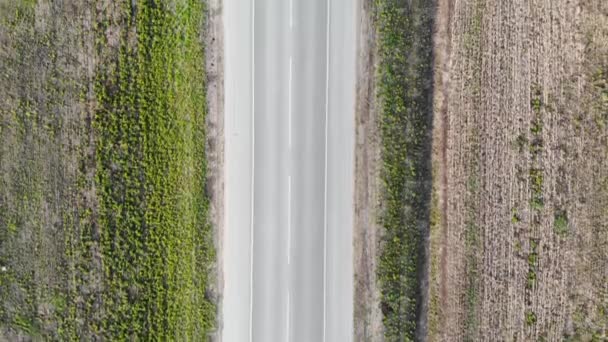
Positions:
(560, 222)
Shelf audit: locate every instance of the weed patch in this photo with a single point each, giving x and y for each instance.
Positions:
(156, 245)
(560, 222)
(404, 48)
(530, 318)
(532, 264)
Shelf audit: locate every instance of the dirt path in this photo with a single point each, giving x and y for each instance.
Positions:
(367, 315)
(442, 55)
(214, 66)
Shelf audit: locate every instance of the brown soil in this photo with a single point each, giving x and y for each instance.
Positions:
(438, 228)
(367, 314)
(521, 114)
(47, 101)
(214, 66)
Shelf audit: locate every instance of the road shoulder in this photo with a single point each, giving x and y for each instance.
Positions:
(367, 315)
(214, 67)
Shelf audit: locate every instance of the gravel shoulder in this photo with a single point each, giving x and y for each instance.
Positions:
(214, 68)
(367, 314)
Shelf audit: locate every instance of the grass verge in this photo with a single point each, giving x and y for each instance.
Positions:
(104, 227)
(156, 243)
(403, 87)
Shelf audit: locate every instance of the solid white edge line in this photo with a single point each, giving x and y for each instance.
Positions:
(325, 194)
(288, 314)
(251, 230)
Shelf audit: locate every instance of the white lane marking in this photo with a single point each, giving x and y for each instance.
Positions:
(288, 314)
(325, 194)
(289, 99)
(289, 220)
(251, 231)
(287, 333)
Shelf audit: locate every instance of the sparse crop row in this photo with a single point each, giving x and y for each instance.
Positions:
(537, 201)
(404, 50)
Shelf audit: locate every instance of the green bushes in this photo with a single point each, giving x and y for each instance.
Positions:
(403, 85)
(530, 318)
(532, 264)
(560, 222)
(536, 184)
(156, 240)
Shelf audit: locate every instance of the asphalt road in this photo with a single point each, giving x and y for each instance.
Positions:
(289, 88)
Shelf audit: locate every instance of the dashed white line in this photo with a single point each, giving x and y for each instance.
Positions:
(289, 99)
(289, 220)
(325, 181)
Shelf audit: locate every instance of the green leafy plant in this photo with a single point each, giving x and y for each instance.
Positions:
(532, 264)
(560, 222)
(156, 239)
(515, 216)
(530, 318)
(405, 114)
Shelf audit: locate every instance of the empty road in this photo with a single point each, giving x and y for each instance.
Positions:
(289, 106)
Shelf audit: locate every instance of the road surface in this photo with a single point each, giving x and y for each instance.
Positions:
(289, 85)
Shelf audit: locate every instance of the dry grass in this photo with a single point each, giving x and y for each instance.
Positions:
(520, 250)
(45, 71)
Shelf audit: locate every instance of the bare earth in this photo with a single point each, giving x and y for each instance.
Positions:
(214, 66)
(520, 247)
(367, 314)
(47, 63)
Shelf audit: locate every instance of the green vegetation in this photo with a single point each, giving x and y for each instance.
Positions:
(521, 142)
(586, 329)
(537, 200)
(560, 222)
(536, 128)
(536, 103)
(518, 247)
(536, 184)
(515, 216)
(34, 172)
(156, 244)
(536, 98)
(104, 228)
(532, 264)
(530, 318)
(404, 49)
